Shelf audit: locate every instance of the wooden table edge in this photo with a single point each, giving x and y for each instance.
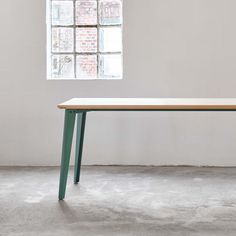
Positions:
(147, 107)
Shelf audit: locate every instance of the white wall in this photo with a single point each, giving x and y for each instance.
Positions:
(183, 48)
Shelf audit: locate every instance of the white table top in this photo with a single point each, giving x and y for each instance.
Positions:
(149, 104)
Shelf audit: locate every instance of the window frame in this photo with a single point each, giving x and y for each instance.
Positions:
(74, 53)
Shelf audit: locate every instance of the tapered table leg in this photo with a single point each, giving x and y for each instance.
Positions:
(81, 118)
(66, 150)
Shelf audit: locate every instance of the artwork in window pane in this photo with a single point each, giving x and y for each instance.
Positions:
(86, 39)
(110, 66)
(86, 66)
(62, 66)
(110, 39)
(86, 12)
(62, 13)
(110, 12)
(62, 39)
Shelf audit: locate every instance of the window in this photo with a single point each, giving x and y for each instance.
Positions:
(84, 39)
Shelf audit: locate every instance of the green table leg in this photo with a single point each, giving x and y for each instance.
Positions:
(81, 118)
(66, 150)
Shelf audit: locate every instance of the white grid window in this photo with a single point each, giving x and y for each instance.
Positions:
(84, 39)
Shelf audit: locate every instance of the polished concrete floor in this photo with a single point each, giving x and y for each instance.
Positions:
(119, 201)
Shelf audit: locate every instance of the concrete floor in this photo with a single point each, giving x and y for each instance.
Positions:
(119, 201)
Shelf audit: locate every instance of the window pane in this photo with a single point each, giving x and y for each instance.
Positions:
(110, 39)
(62, 66)
(86, 40)
(62, 39)
(110, 66)
(86, 12)
(110, 12)
(62, 13)
(86, 66)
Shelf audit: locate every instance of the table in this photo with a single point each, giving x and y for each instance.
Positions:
(80, 106)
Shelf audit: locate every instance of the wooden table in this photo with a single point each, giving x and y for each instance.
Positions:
(80, 107)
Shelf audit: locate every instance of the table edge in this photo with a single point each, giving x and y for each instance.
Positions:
(146, 107)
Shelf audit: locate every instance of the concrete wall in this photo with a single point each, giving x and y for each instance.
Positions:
(183, 48)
